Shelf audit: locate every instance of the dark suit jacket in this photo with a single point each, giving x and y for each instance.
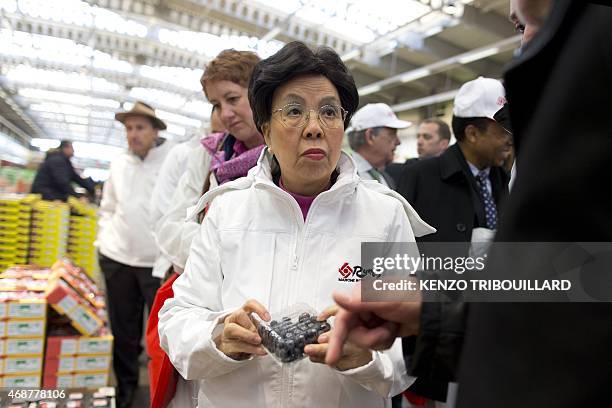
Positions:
(54, 177)
(444, 193)
(552, 354)
(395, 169)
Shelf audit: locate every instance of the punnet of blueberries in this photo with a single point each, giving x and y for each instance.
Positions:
(285, 338)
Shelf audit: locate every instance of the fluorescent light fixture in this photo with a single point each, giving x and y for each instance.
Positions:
(96, 151)
(479, 55)
(270, 35)
(351, 55)
(426, 101)
(414, 75)
(67, 98)
(179, 119)
(369, 89)
(45, 144)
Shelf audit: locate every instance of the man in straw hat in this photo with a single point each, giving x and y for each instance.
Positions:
(126, 244)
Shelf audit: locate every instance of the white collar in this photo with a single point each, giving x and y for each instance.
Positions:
(476, 171)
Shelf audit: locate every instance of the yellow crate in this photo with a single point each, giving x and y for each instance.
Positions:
(19, 347)
(31, 381)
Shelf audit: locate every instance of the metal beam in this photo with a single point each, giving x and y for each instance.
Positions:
(441, 66)
(492, 23)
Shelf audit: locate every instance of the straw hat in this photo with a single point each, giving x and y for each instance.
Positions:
(141, 109)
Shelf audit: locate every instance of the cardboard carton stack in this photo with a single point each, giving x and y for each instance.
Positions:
(15, 220)
(81, 236)
(49, 232)
(23, 316)
(78, 343)
(77, 361)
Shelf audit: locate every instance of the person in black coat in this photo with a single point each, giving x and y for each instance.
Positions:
(55, 175)
(552, 354)
(447, 192)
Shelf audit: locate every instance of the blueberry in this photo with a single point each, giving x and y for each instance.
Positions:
(311, 335)
(324, 327)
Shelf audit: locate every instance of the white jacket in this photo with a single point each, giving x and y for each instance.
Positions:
(254, 243)
(172, 170)
(172, 233)
(125, 234)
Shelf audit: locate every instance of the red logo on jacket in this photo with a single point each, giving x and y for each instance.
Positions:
(345, 270)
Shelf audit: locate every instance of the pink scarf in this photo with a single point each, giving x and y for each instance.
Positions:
(239, 163)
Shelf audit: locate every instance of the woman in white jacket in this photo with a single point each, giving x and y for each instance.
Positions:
(278, 237)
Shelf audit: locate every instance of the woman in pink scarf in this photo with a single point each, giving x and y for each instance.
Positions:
(232, 154)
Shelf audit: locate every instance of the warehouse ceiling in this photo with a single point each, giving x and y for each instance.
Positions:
(66, 66)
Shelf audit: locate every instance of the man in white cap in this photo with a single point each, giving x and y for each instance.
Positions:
(373, 138)
(466, 183)
(457, 193)
(125, 240)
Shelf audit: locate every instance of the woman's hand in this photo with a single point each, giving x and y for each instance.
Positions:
(352, 355)
(240, 339)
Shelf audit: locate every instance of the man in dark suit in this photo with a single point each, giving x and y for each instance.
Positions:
(433, 138)
(463, 188)
(457, 192)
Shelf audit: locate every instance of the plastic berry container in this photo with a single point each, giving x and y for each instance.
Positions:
(286, 334)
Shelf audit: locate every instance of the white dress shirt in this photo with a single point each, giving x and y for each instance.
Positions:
(125, 234)
(366, 171)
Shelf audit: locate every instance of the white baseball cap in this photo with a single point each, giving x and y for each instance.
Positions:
(376, 115)
(482, 98)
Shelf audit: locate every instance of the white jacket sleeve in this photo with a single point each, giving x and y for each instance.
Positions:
(386, 374)
(108, 204)
(172, 233)
(171, 171)
(188, 321)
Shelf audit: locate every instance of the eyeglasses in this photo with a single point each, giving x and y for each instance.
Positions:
(295, 115)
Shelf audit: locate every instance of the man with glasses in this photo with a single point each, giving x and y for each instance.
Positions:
(373, 138)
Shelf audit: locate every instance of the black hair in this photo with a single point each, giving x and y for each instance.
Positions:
(459, 125)
(65, 143)
(293, 60)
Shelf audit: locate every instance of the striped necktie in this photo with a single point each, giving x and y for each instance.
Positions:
(489, 204)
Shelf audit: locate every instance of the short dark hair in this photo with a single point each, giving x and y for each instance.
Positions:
(459, 125)
(293, 60)
(65, 143)
(443, 129)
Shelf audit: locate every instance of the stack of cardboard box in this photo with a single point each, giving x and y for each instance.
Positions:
(79, 344)
(82, 234)
(49, 232)
(15, 219)
(77, 361)
(22, 332)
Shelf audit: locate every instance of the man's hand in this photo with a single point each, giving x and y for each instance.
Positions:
(240, 339)
(351, 357)
(372, 325)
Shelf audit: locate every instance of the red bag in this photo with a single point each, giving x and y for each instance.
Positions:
(162, 374)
